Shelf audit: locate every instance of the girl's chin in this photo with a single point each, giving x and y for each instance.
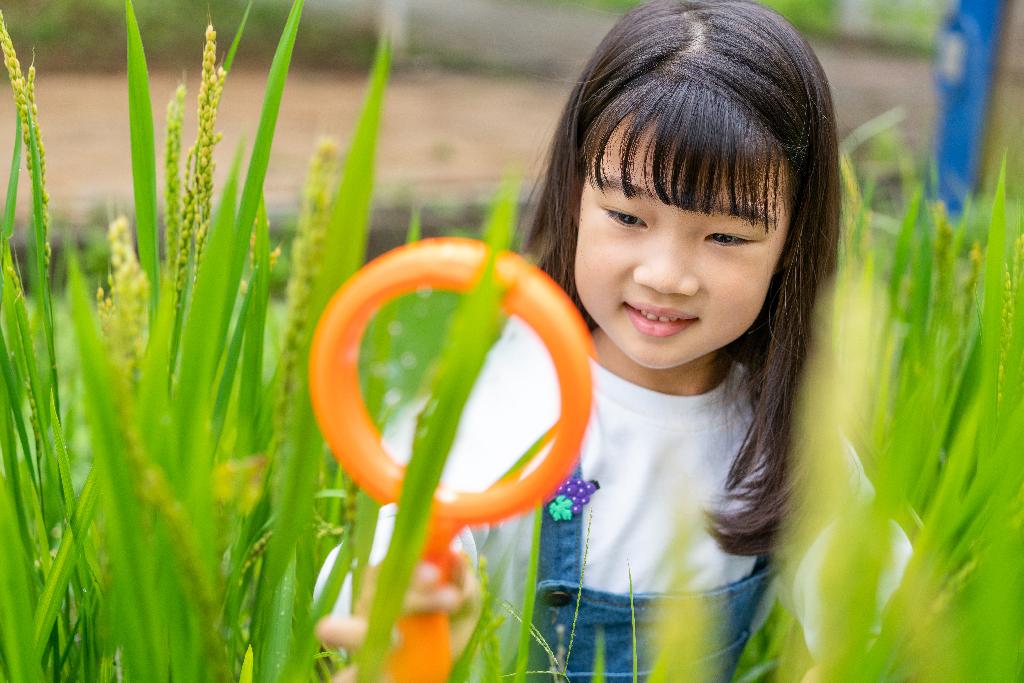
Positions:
(641, 356)
(624, 348)
(658, 364)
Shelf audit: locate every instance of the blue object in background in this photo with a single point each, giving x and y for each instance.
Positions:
(967, 48)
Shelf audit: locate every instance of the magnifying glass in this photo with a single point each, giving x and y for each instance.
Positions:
(424, 654)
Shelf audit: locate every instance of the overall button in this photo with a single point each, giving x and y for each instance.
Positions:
(558, 598)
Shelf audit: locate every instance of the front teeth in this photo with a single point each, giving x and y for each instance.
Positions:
(651, 316)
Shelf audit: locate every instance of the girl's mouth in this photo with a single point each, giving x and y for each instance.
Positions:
(656, 326)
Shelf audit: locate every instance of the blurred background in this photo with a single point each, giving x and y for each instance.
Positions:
(475, 92)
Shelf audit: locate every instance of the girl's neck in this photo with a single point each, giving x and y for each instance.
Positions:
(696, 377)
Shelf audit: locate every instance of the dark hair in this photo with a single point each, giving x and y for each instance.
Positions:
(729, 107)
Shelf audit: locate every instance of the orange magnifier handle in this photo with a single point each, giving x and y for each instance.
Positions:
(452, 264)
(424, 651)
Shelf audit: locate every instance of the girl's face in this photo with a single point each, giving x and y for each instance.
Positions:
(669, 288)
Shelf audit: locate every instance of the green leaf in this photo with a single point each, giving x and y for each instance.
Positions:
(920, 302)
(992, 311)
(277, 627)
(12, 182)
(350, 215)
(302, 447)
(901, 254)
(137, 608)
(12, 378)
(71, 548)
(230, 59)
(598, 665)
(227, 378)
(529, 601)
(301, 458)
(24, 354)
(203, 340)
(154, 394)
(367, 515)
(305, 646)
(140, 119)
(9, 405)
(632, 619)
(19, 654)
(252, 190)
(251, 383)
(246, 675)
(46, 379)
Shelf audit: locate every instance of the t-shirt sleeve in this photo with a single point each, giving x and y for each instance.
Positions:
(806, 596)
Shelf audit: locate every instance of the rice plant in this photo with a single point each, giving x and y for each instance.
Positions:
(196, 526)
(166, 499)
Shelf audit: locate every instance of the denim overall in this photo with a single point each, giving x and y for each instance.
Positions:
(561, 550)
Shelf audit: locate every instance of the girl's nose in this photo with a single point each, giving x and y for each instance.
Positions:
(667, 275)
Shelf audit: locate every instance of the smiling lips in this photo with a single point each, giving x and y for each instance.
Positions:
(658, 322)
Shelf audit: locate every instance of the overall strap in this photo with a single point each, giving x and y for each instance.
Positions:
(561, 546)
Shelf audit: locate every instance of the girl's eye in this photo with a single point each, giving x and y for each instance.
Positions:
(726, 240)
(625, 219)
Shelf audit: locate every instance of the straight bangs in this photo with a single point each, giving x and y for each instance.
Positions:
(693, 147)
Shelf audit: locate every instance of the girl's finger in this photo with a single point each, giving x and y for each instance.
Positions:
(347, 633)
(346, 675)
(469, 589)
(369, 587)
(460, 568)
(437, 598)
(425, 576)
(428, 594)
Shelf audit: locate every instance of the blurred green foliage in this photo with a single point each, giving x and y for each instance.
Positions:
(906, 25)
(90, 34)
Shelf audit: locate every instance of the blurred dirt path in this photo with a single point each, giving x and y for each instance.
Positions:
(445, 138)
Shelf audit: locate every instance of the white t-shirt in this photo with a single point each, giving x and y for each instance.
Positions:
(660, 460)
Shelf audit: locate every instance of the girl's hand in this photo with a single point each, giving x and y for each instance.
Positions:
(459, 598)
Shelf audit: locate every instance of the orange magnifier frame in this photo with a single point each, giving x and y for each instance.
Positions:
(449, 263)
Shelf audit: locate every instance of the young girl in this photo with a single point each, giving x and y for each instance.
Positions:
(690, 209)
